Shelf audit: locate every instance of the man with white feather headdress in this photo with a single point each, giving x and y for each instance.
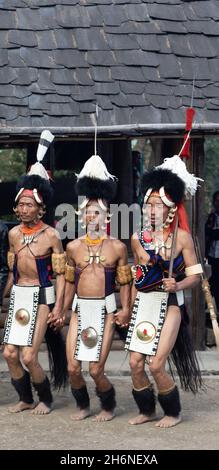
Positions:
(34, 310)
(165, 265)
(94, 262)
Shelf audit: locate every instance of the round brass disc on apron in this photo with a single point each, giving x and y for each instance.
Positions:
(22, 316)
(89, 337)
(145, 331)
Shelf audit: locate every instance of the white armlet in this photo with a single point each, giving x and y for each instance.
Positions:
(195, 269)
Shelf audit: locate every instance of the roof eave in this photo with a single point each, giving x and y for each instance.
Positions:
(128, 130)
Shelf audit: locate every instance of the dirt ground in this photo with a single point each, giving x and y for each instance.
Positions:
(199, 429)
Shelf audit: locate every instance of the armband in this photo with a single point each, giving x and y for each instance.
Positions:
(10, 260)
(69, 273)
(123, 274)
(195, 269)
(58, 263)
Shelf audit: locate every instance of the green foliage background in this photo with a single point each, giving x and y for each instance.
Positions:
(12, 164)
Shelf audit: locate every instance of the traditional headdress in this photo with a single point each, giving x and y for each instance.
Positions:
(36, 183)
(173, 183)
(95, 182)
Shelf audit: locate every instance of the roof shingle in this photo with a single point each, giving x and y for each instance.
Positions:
(136, 59)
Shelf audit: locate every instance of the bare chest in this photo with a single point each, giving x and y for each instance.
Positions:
(96, 256)
(31, 248)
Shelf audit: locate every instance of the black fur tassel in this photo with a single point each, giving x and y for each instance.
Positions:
(23, 388)
(145, 400)
(107, 399)
(155, 179)
(41, 184)
(95, 188)
(170, 402)
(57, 358)
(81, 396)
(184, 358)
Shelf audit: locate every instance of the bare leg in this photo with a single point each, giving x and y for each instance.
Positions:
(142, 390)
(105, 391)
(163, 380)
(30, 359)
(78, 384)
(11, 354)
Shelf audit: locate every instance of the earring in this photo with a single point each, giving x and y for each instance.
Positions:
(78, 212)
(170, 217)
(16, 213)
(81, 222)
(173, 210)
(41, 212)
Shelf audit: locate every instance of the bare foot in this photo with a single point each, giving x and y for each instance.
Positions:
(140, 419)
(21, 406)
(41, 409)
(104, 416)
(169, 421)
(81, 414)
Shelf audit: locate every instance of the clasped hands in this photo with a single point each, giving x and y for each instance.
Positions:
(56, 319)
(121, 318)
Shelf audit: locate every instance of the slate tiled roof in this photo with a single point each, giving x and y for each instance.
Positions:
(136, 59)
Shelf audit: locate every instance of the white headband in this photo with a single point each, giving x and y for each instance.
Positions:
(163, 197)
(35, 195)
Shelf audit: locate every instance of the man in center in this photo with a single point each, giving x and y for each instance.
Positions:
(94, 262)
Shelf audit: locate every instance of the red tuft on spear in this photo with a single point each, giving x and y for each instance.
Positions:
(185, 151)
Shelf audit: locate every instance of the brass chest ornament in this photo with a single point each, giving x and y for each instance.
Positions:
(89, 337)
(145, 331)
(94, 257)
(22, 316)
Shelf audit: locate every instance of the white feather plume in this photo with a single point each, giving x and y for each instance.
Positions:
(38, 169)
(95, 168)
(177, 166)
(46, 136)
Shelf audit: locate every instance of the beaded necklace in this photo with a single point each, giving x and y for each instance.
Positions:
(30, 233)
(150, 242)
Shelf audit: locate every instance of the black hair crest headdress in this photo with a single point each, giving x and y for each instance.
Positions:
(37, 179)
